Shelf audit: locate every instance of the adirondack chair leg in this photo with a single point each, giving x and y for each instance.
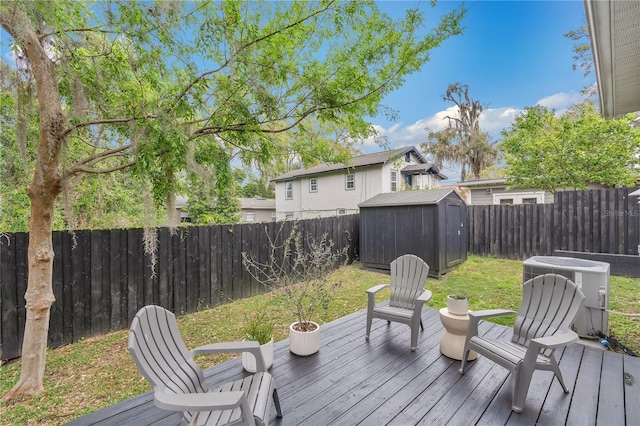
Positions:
(366, 336)
(463, 364)
(414, 339)
(276, 401)
(556, 370)
(522, 380)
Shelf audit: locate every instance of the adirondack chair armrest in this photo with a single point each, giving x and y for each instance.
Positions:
(476, 316)
(488, 313)
(377, 288)
(199, 401)
(424, 297)
(556, 340)
(371, 294)
(243, 346)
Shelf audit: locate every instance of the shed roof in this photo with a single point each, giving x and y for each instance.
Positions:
(359, 161)
(403, 198)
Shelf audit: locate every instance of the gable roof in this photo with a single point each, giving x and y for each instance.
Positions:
(358, 161)
(423, 168)
(405, 198)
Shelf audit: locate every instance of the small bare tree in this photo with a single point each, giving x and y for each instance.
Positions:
(301, 267)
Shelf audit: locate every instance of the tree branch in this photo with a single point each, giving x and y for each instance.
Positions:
(246, 46)
(83, 169)
(105, 121)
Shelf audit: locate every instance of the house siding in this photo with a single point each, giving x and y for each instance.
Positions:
(480, 196)
(331, 194)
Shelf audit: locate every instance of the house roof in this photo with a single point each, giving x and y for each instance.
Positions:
(483, 183)
(258, 203)
(358, 161)
(615, 43)
(423, 168)
(404, 198)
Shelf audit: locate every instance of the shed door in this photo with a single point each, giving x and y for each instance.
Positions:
(454, 224)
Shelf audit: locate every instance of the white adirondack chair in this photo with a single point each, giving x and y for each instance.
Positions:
(550, 304)
(408, 275)
(178, 383)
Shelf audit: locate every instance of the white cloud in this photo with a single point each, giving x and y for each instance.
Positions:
(561, 101)
(494, 120)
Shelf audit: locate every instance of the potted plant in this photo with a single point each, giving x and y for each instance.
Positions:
(458, 304)
(259, 327)
(302, 270)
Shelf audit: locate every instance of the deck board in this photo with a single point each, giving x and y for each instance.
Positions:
(353, 381)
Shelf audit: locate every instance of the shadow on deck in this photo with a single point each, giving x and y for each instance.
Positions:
(352, 381)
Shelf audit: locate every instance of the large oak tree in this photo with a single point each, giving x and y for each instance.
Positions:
(146, 85)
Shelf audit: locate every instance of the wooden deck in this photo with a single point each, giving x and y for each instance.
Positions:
(352, 381)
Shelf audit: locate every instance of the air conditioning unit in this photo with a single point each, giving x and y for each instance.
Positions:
(591, 276)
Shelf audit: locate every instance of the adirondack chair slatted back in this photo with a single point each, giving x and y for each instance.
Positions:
(408, 275)
(550, 304)
(160, 353)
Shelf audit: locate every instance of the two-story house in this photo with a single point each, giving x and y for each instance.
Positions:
(337, 189)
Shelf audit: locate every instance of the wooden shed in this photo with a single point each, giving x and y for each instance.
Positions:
(431, 224)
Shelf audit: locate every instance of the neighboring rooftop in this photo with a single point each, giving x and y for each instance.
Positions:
(258, 203)
(483, 182)
(423, 168)
(358, 161)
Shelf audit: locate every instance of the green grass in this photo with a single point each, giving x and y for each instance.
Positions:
(98, 372)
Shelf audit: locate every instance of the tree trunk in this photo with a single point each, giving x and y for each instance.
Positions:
(43, 191)
(39, 296)
(173, 215)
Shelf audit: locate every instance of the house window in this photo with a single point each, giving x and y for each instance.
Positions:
(516, 198)
(407, 157)
(394, 180)
(350, 182)
(251, 217)
(288, 191)
(341, 212)
(313, 184)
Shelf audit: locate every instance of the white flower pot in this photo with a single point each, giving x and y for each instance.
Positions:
(304, 343)
(457, 306)
(249, 361)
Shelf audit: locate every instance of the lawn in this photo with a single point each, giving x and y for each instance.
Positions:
(98, 372)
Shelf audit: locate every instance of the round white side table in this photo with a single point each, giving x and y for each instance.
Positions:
(452, 341)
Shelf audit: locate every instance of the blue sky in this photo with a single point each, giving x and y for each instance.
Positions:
(512, 54)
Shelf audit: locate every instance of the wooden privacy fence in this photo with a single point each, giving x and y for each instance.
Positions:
(101, 278)
(595, 221)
